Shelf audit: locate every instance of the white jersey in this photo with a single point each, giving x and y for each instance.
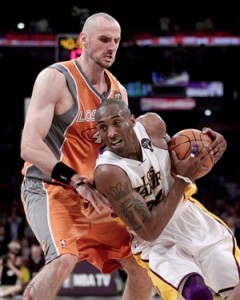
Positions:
(184, 245)
(151, 177)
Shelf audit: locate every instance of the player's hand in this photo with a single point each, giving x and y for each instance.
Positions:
(193, 166)
(89, 192)
(219, 144)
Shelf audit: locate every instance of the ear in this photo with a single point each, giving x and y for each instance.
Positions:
(132, 120)
(82, 38)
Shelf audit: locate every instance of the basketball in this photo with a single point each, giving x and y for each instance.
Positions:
(183, 142)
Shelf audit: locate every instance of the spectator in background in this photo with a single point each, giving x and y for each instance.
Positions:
(15, 226)
(14, 274)
(4, 240)
(25, 248)
(36, 260)
(14, 247)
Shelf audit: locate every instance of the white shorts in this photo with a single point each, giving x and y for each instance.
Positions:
(194, 241)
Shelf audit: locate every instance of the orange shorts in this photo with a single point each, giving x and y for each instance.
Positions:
(63, 222)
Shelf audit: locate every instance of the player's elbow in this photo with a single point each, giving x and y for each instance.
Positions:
(24, 151)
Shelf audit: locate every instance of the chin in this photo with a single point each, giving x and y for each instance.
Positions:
(108, 65)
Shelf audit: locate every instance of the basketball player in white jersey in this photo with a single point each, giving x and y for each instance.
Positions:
(187, 251)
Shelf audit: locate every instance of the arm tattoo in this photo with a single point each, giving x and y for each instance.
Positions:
(134, 205)
(130, 206)
(118, 192)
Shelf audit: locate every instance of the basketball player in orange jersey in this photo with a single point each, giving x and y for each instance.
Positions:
(60, 145)
(186, 250)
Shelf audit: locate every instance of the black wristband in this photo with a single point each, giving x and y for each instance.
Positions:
(62, 173)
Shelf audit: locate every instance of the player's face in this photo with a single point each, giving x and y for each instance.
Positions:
(116, 131)
(103, 45)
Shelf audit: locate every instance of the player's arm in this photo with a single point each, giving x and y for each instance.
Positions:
(46, 94)
(156, 129)
(130, 206)
(46, 101)
(219, 144)
(49, 89)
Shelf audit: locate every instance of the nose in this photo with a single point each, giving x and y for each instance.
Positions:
(111, 132)
(112, 45)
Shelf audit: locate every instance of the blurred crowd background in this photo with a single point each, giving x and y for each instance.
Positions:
(145, 71)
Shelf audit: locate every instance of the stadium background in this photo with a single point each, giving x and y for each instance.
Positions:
(140, 68)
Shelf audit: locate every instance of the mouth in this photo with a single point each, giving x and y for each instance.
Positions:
(109, 57)
(116, 143)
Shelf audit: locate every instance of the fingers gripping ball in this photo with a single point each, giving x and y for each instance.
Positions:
(184, 141)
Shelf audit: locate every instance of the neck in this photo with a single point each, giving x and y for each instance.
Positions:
(95, 75)
(134, 152)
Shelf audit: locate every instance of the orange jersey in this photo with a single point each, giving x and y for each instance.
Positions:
(73, 136)
(62, 221)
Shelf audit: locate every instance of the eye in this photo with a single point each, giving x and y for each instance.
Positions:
(104, 39)
(117, 41)
(117, 123)
(102, 128)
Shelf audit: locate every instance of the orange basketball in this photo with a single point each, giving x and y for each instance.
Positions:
(183, 142)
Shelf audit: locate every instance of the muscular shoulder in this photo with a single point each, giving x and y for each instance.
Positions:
(50, 75)
(50, 88)
(151, 120)
(50, 78)
(154, 125)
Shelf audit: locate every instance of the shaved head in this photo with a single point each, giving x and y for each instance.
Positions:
(93, 21)
(99, 38)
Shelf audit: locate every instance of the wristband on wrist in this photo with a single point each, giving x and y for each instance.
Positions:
(77, 184)
(186, 179)
(62, 173)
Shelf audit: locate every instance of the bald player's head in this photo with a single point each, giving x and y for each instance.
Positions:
(96, 20)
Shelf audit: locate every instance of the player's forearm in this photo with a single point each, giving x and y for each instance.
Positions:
(43, 158)
(133, 210)
(40, 156)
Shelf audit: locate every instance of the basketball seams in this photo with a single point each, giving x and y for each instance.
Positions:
(183, 141)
